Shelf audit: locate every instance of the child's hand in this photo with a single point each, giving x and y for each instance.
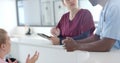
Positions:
(33, 59)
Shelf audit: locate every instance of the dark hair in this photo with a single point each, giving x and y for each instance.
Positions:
(2, 36)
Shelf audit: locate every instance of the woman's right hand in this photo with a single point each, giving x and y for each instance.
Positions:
(55, 31)
(55, 40)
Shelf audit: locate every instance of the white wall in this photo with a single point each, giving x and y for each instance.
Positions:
(95, 10)
(8, 15)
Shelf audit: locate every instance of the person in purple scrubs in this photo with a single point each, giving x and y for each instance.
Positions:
(77, 23)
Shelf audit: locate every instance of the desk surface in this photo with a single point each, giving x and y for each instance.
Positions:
(89, 57)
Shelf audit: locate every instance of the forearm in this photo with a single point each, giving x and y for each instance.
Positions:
(97, 46)
(89, 39)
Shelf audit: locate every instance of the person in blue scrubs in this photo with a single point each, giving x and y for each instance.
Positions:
(107, 35)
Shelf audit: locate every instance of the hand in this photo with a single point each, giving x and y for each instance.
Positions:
(33, 59)
(55, 40)
(9, 61)
(55, 31)
(70, 44)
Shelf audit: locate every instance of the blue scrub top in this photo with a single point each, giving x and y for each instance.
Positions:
(110, 22)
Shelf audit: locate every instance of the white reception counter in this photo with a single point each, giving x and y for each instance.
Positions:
(22, 46)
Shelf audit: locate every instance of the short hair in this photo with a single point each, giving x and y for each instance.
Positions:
(2, 36)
